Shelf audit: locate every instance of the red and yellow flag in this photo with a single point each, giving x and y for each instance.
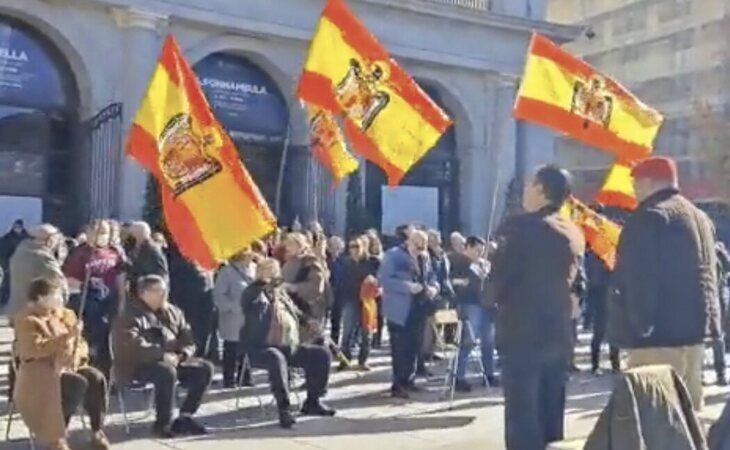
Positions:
(327, 144)
(601, 233)
(566, 94)
(212, 207)
(388, 119)
(618, 188)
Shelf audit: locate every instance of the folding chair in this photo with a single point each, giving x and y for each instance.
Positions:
(451, 317)
(262, 406)
(146, 388)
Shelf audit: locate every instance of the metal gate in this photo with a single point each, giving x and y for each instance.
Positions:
(103, 147)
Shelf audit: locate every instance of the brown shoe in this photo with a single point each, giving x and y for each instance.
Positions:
(99, 441)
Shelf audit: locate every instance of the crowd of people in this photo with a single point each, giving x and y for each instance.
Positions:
(302, 299)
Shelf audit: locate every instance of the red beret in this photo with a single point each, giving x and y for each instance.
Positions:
(657, 168)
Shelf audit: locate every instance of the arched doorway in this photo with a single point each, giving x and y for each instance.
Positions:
(38, 129)
(429, 190)
(250, 106)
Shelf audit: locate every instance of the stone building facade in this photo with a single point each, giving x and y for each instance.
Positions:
(671, 54)
(72, 73)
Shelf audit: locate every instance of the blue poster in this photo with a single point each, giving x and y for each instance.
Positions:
(244, 99)
(29, 76)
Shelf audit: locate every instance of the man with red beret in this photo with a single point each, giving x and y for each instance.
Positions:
(665, 299)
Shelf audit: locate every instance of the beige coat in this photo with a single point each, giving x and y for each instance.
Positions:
(44, 354)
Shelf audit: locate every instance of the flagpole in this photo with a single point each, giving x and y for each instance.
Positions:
(282, 168)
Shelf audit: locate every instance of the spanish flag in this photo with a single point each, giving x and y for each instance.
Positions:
(618, 188)
(387, 118)
(328, 146)
(212, 207)
(601, 233)
(564, 93)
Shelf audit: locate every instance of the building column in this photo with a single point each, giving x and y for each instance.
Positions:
(502, 144)
(142, 33)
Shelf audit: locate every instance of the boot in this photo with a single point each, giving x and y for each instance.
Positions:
(286, 419)
(314, 407)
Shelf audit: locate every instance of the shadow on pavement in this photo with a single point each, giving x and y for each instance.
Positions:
(340, 427)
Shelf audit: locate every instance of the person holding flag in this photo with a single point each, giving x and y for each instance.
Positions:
(533, 275)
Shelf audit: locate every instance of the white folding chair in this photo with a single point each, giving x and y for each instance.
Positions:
(451, 317)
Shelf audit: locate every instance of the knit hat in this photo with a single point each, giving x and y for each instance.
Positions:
(657, 168)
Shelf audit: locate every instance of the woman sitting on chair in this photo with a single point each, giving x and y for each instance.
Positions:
(53, 378)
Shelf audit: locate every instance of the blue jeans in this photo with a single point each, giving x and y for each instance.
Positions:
(534, 398)
(481, 322)
(351, 330)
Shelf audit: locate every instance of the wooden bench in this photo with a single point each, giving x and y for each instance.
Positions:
(572, 444)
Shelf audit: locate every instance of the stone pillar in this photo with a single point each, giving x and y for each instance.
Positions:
(142, 33)
(501, 142)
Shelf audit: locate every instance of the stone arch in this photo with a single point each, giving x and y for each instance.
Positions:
(255, 50)
(67, 52)
(463, 126)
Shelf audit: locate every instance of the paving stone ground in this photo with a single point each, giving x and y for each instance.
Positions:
(367, 418)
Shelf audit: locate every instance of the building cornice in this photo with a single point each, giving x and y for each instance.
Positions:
(130, 17)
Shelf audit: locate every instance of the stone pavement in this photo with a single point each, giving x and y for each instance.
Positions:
(366, 418)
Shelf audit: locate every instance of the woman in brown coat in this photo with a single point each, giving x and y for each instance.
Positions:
(52, 379)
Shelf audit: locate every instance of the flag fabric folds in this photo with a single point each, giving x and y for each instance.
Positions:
(327, 144)
(601, 233)
(618, 187)
(564, 93)
(387, 118)
(211, 205)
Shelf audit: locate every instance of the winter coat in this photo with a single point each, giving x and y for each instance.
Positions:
(229, 285)
(665, 280)
(148, 259)
(532, 280)
(31, 260)
(397, 270)
(649, 409)
(256, 305)
(43, 356)
(142, 336)
(352, 274)
(310, 278)
(473, 293)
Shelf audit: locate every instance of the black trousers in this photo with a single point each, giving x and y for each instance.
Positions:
(88, 386)
(599, 318)
(336, 322)
(314, 359)
(232, 363)
(193, 374)
(405, 348)
(534, 396)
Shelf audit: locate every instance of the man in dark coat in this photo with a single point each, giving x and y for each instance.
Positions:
(8, 243)
(533, 274)
(146, 257)
(665, 299)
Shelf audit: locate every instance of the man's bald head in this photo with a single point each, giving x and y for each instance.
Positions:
(418, 242)
(43, 232)
(46, 235)
(140, 230)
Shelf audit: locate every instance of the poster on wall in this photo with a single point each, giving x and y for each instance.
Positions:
(244, 99)
(12, 208)
(29, 76)
(417, 205)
